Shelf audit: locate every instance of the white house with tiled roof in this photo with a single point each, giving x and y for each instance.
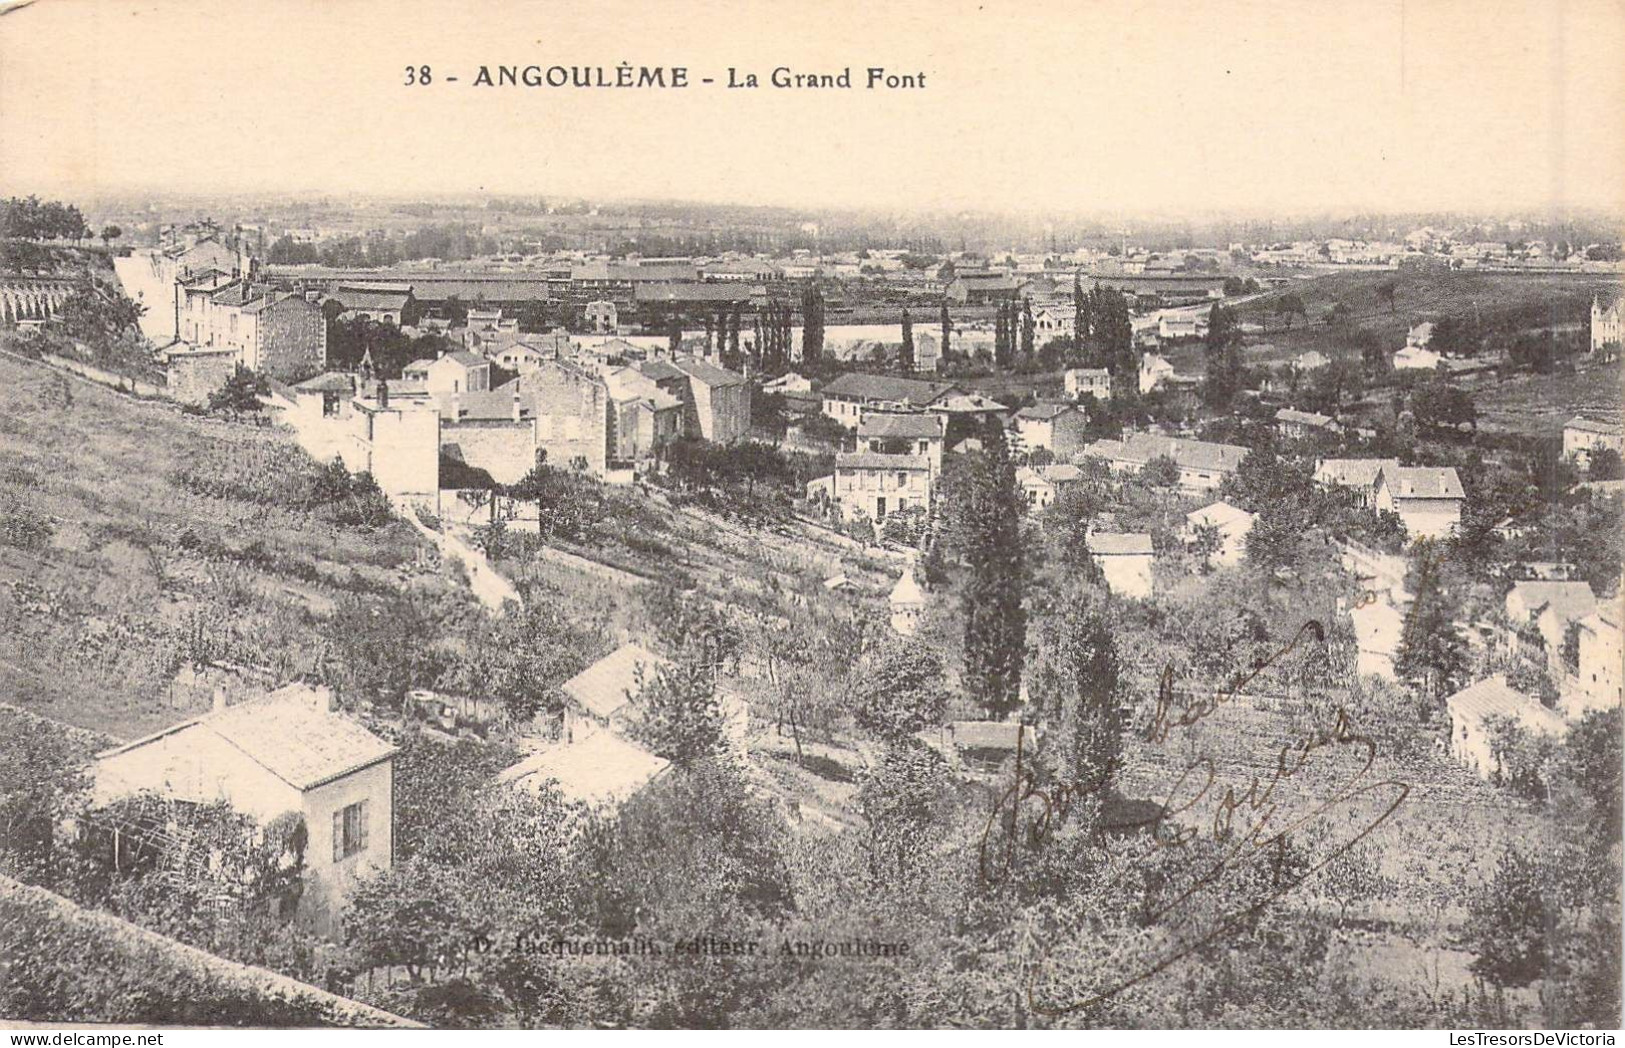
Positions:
(1582, 436)
(289, 751)
(1474, 711)
(456, 372)
(1125, 559)
(1428, 499)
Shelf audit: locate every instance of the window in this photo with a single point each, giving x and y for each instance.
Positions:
(350, 831)
(902, 479)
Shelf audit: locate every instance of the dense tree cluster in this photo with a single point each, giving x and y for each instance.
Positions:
(29, 218)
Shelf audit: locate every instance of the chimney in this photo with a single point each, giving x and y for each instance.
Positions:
(219, 699)
(383, 394)
(322, 699)
(518, 408)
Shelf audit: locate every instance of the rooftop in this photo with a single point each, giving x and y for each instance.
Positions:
(876, 460)
(917, 392)
(881, 425)
(288, 734)
(601, 768)
(612, 681)
(1570, 600)
(1424, 482)
(1115, 543)
(1492, 698)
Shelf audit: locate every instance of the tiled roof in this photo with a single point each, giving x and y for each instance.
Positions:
(285, 733)
(917, 392)
(1423, 482)
(692, 292)
(991, 735)
(708, 374)
(1219, 514)
(881, 425)
(1570, 600)
(1307, 418)
(1044, 412)
(1591, 425)
(610, 683)
(1353, 473)
(1492, 698)
(328, 382)
(598, 769)
(661, 369)
(372, 297)
(1140, 448)
(876, 460)
(1113, 543)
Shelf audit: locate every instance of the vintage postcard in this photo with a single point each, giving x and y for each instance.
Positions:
(1102, 514)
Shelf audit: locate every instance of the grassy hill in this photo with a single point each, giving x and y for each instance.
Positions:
(134, 539)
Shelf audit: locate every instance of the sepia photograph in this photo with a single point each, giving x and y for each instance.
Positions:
(752, 514)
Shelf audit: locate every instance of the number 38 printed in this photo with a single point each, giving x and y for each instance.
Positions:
(418, 75)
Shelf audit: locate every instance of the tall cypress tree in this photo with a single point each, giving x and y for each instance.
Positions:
(1080, 322)
(905, 359)
(947, 330)
(1028, 327)
(812, 325)
(733, 338)
(1432, 654)
(995, 621)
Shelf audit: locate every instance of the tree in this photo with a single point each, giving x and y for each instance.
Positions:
(1078, 687)
(1080, 321)
(905, 358)
(1222, 352)
(1509, 922)
(812, 325)
(1604, 464)
(1028, 327)
(1206, 540)
(93, 315)
(904, 693)
(1288, 306)
(1432, 654)
(241, 393)
(989, 523)
(678, 714)
(947, 329)
(111, 233)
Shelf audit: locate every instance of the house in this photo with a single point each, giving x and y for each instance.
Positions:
(1045, 484)
(277, 333)
(601, 696)
(717, 402)
(982, 288)
(646, 418)
(1420, 334)
(1203, 465)
(521, 352)
(1171, 328)
(572, 409)
(984, 746)
(851, 395)
(1299, 425)
(1125, 559)
(1154, 371)
(1052, 322)
(1232, 524)
(286, 752)
(196, 373)
(906, 601)
(1310, 361)
(789, 382)
(1582, 436)
(456, 372)
(1088, 382)
(1416, 358)
(894, 433)
(1058, 427)
(1358, 475)
(397, 440)
(876, 484)
(383, 303)
(1548, 608)
(1473, 711)
(602, 316)
(1428, 499)
(1607, 325)
(1597, 683)
(600, 769)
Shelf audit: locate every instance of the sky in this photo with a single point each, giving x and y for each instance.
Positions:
(1179, 108)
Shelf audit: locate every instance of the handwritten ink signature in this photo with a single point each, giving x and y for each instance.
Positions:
(1046, 807)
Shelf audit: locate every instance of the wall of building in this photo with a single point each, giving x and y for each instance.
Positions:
(1129, 576)
(572, 415)
(400, 447)
(194, 377)
(292, 339)
(328, 883)
(506, 450)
